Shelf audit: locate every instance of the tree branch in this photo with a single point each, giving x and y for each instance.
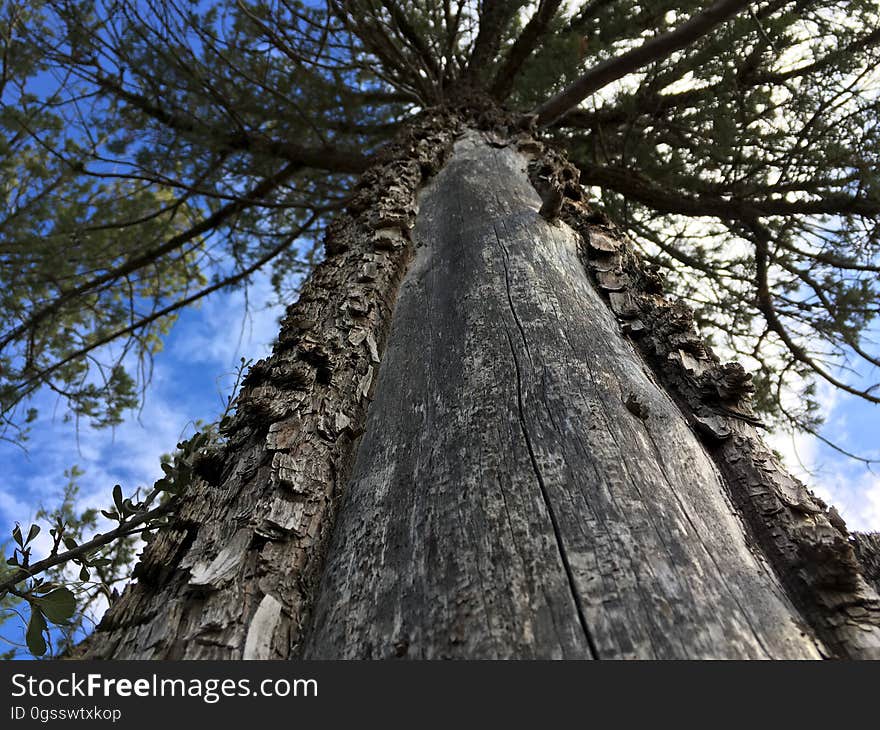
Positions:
(323, 158)
(229, 281)
(125, 529)
(668, 200)
(494, 18)
(655, 49)
(413, 38)
(522, 48)
(764, 301)
(259, 191)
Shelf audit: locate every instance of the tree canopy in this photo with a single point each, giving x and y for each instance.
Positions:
(157, 151)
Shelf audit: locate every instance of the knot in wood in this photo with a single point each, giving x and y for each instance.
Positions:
(635, 406)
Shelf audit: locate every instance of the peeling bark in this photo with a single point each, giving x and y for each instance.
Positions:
(525, 488)
(234, 577)
(867, 547)
(555, 464)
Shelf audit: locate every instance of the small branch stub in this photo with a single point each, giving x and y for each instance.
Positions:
(635, 406)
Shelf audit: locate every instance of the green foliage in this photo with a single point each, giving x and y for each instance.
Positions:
(47, 600)
(757, 142)
(84, 567)
(153, 154)
(35, 635)
(110, 219)
(560, 59)
(48, 588)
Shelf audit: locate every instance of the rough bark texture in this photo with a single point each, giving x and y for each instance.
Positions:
(525, 488)
(807, 543)
(234, 576)
(867, 547)
(530, 483)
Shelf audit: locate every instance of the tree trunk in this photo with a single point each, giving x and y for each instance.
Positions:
(553, 465)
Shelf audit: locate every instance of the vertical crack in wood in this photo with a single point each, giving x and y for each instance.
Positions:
(548, 503)
(805, 542)
(502, 478)
(238, 571)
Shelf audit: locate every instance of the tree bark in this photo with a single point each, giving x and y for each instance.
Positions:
(867, 547)
(525, 488)
(234, 575)
(554, 465)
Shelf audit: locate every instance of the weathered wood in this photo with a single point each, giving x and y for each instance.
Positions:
(555, 466)
(235, 575)
(806, 541)
(524, 487)
(867, 547)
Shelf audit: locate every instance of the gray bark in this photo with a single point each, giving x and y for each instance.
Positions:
(554, 464)
(867, 547)
(235, 574)
(525, 488)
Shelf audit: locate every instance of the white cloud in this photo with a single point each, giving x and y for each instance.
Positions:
(838, 479)
(204, 346)
(231, 326)
(870, 514)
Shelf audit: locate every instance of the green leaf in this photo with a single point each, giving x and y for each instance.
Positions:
(117, 498)
(59, 605)
(32, 533)
(128, 508)
(36, 644)
(16, 535)
(84, 573)
(70, 543)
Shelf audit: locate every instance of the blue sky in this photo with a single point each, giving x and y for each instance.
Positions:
(191, 378)
(852, 423)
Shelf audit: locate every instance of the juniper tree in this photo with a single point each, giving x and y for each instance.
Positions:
(489, 200)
